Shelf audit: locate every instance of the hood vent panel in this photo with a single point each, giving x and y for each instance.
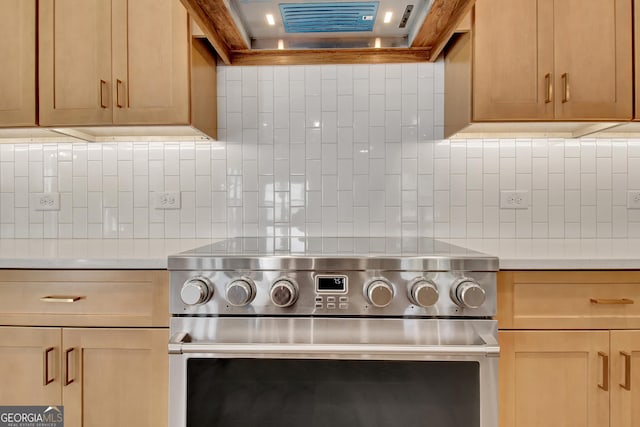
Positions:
(328, 17)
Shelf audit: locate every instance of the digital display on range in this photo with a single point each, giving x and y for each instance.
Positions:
(331, 284)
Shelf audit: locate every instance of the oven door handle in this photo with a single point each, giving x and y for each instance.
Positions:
(180, 344)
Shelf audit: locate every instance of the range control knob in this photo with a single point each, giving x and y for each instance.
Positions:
(467, 293)
(379, 292)
(423, 292)
(240, 292)
(284, 292)
(196, 290)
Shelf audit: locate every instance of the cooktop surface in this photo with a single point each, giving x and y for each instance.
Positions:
(333, 247)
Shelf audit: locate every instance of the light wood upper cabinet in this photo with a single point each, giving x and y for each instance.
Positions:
(150, 62)
(541, 61)
(554, 378)
(123, 62)
(593, 53)
(113, 61)
(18, 70)
(75, 62)
(508, 69)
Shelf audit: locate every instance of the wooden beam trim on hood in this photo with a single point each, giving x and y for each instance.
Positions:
(215, 19)
(440, 24)
(216, 22)
(330, 56)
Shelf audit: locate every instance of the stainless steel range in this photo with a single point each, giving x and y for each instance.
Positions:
(333, 332)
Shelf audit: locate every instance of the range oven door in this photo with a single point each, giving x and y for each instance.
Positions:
(352, 372)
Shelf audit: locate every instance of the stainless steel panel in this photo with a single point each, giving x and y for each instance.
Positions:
(356, 302)
(332, 338)
(311, 263)
(331, 254)
(382, 335)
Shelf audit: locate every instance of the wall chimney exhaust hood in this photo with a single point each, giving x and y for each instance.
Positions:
(287, 32)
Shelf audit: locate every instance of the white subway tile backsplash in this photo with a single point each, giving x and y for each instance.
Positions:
(393, 94)
(619, 156)
(7, 177)
(633, 148)
(508, 173)
(65, 176)
(324, 150)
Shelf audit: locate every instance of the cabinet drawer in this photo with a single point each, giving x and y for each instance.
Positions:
(84, 297)
(569, 299)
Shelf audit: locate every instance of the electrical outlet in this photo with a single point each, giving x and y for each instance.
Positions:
(166, 200)
(45, 201)
(633, 199)
(514, 199)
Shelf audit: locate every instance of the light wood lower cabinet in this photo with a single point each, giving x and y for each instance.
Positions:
(104, 376)
(570, 348)
(30, 366)
(553, 378)
(117, 377)
(625, 378)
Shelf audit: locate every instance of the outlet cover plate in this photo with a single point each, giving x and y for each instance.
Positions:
(166, 200)
(45, 201)
(633, 199)
(514, 199)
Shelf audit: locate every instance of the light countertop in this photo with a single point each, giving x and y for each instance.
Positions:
(559, 254)
(514, 254)
(92, 253)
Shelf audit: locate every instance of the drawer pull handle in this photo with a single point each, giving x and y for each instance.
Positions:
(47, 380)
(549, 92)
(61, 298)
(607, 301)
(103, 86)
(119, 84)
(67, 352)
(627, 371)
(605, 371)
(565, 80)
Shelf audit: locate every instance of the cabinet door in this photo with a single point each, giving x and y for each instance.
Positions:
(18, 70)
(150, 62)
(118, 377)
(593, 57)
(625, 378)
(554, 378)
(75, 62)
(513, 60)
(29, 366)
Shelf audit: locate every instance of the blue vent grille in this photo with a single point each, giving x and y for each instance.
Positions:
(328, 17)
